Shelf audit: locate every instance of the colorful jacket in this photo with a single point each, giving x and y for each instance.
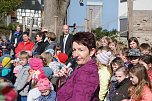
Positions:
(82, 85)
(104, 77)
(146, 95)
(22, 46)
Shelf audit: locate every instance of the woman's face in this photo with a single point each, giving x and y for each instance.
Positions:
(133, 44)
(133, 78)
(82, 53)
(38, 38)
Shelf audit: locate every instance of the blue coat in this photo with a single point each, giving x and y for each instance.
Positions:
(82, 85)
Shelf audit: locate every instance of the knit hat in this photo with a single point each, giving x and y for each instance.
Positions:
(6, 62)
(7, 93)
(37, 75)
(62, 57)
(133, 52)
(44, 84)
(104, 57)
(47, 71)
(6, 55)
(36, 63)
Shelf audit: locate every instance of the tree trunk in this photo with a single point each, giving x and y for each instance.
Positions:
(53, 9)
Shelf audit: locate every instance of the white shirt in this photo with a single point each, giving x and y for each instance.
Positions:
(64, 41)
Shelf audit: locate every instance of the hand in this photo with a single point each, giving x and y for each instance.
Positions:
(3, 46)
(62, 72)
(14, 45)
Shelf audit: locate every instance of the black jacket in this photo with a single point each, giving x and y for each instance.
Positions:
(40, 48)
(68, 46)
(122, 90)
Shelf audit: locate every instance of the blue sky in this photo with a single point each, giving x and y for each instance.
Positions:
(77, 13)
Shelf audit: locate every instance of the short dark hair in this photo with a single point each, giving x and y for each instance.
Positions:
(85, 38)
(41, 34)
(25, 33)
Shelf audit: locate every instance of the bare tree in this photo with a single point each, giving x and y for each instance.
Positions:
(53, 8)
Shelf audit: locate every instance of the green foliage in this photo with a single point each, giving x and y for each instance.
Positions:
(9, 5)
(99, 33)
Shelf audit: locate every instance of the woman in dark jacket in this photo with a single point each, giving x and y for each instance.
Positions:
(40, 45)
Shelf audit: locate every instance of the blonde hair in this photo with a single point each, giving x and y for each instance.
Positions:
(47, 58)
(24, 54)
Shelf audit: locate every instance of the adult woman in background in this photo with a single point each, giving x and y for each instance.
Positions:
(83, 84)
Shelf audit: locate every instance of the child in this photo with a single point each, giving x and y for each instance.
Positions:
(122, 85)
(47, 58)
(105, 41)
(103, 58)
(22, 83)
(115, 64)
(44, 86)
(5, 46)
(145, 49)
(133, 56)
(113, 46)
(133, 43)
(141, 89)
(146, 60)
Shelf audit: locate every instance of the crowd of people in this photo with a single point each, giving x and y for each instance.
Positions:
(79, 68)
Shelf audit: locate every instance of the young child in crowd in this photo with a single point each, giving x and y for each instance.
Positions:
(103, 58)
(36, 65)
(122, 85)
(5, 46)
(145, 49)
(22, 83)
(113, 46)
(141, 89)
(115, 64)
(146, 60)
(47, 58)
(133, 56)
(105, 41)
(34, 93)
(17, 66)
(133, 43)
(122, 53)
(44, 87)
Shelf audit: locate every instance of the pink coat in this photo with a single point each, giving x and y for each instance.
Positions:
(146, 95)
